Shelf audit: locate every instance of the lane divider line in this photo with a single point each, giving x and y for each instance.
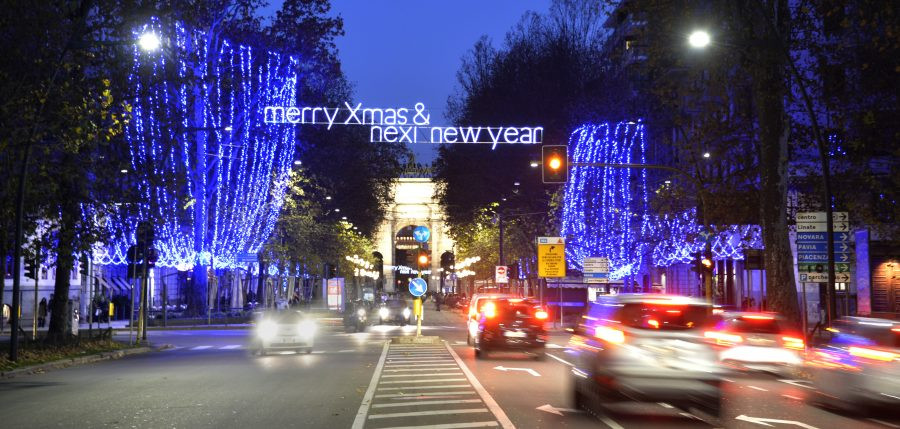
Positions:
(360, 421)
(433, 380)
(502, 418)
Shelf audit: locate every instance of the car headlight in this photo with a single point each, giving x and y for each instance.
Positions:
(361, 312)
(307, 328)
(384, 313)
(267, 329)
(406, 313)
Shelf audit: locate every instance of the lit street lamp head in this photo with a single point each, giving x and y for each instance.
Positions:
(149, 41)
(699, 39)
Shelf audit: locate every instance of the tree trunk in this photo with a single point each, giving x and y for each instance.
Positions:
(769, 94)
(65, 261)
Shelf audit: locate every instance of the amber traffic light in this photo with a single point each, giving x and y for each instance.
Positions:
(555, 163)
(423, 259)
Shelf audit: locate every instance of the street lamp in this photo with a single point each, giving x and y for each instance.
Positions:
(706, 154)
(149, 41)
(699, 39)
(298, 162)
(534, 164)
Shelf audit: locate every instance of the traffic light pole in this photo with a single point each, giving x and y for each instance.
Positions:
(34, 315)
(419, 303)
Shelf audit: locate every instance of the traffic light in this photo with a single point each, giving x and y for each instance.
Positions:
(31, 268)
(447, 261)
(555, 167)
(83, 267)
(422, 259)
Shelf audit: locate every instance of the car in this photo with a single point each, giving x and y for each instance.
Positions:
(284, 330)
(511, 324)
(646, 348)
(858, 366)
(754, 341)
(475, 305)
(394, 311)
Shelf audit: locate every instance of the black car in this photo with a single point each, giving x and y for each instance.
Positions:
(511, 324)
(394, 311)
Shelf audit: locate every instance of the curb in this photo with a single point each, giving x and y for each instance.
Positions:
(81, 360)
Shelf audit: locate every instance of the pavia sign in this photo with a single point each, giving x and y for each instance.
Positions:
(400, 125)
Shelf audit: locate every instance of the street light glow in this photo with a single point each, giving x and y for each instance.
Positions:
(298, 162)
(706, 154)
(534, 164)
(328, 197)
(149, 41)
(124, 171)
(699, 39)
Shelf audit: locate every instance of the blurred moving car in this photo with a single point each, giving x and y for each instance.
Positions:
(646, 348)
(394, 311)
(858, 367)
(511, 324)
(757, 342)
(475, 306)
(284, 330)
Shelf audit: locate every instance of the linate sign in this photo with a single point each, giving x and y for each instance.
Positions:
(400, 125)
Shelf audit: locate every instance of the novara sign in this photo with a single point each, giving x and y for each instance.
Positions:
(400, 125)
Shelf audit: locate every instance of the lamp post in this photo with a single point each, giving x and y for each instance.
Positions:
(20, 192)
(821, 147)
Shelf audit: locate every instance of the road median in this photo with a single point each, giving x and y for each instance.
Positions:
(78, 360)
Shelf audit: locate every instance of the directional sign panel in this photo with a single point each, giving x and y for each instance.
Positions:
(822, 237)
(551, 257)
(823, 277)
(822, 227)
(417, 287)
(820, 217)
(812, 247)
(807, 267)
(596, 270)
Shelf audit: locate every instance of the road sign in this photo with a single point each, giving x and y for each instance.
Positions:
(421, 234)
(823, 277)
(817, 247)
(806, 267)
(245, 257)
(551, 257)
(821, 227)
(596, 270)
(417, 287)
(819, 217)
(501, 274)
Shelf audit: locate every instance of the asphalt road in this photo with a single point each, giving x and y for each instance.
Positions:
(210, 379)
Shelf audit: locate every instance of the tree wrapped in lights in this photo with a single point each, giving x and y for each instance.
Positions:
(679, 238)
(210, 177)
(605, 210)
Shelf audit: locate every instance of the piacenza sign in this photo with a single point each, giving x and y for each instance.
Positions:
(400, 125)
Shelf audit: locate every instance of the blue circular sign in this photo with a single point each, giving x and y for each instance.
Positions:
(421, 234)
(417, 287)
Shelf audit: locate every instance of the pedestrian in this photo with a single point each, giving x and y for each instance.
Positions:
(42, 313)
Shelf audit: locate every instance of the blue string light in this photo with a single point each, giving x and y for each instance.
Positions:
(247, 165)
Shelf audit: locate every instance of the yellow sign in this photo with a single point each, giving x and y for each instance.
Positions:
(551, 257)
(112, 310)
(417, 307)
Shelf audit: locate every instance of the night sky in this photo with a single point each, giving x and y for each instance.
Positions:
(401, 52)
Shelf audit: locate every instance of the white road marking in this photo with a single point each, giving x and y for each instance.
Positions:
(765, 422)
(318, 352)
(360, 421)
(424, 395)
(555, 346)
(689, 415)
(728, 380)
(231, 347)
(758, 388)
(792, 397)
(419, 375)
(429, 413)
(560, 359)
(201, 347)
(446, 386)
(420, 369)
(504, 421)
(528, 370)
(345, 351)
(890, 425)
(798, 383)
(432, 380)
(610, 422)
(415, 365)
(450, 426)
(418, 403)
(665, 405)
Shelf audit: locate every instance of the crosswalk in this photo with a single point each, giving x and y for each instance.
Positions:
(426, 387)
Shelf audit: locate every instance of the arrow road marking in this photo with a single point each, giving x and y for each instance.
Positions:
(528, 370)
(765, 422)
(558, 411)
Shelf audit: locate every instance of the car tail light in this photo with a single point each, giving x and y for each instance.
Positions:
(723, 338)
(718, 311)
(874, 354)
(610, 335)
(673, 311)
(653, 323)
(757, 317)
(897, 330)
(540, 314)
(490, 310)
(793, 343)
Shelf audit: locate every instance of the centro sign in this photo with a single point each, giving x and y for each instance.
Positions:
(400, 125)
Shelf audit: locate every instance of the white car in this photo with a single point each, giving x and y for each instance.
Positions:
(752, 341)
(475, 307)
(285, 330)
